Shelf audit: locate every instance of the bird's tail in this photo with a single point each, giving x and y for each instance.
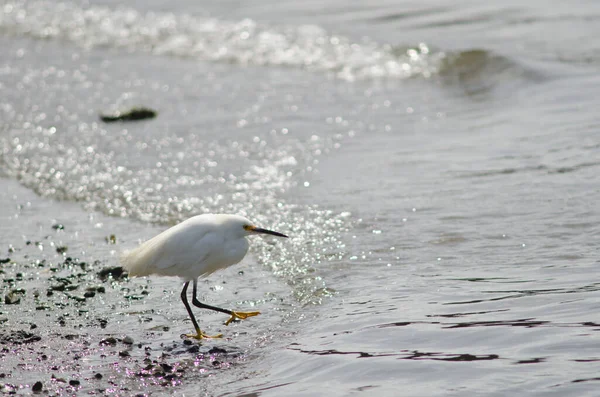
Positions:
(134, 263)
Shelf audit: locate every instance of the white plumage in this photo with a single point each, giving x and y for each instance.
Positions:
(195, 248)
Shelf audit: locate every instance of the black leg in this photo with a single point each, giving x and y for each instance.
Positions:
(234, 315)
(188, 308)
(201, 305)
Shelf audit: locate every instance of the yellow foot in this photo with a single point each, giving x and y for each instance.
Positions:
(241, 316)
(199, 335)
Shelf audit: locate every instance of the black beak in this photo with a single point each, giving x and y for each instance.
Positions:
(265, 231)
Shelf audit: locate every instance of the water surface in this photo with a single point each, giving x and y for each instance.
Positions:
(435, 166)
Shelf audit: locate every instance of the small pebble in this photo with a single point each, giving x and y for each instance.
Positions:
(98, 376)
(128, 340)
(37, 387)
(108, 341)
(12, 298)
(74, 382)
(217, 350)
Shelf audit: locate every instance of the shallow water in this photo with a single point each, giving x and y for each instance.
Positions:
(435, 166)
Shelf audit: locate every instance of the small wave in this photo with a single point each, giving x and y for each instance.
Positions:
(243, 42)
(478, 72)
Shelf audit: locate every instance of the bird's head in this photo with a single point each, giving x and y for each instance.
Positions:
(241, 226)
(251, 229)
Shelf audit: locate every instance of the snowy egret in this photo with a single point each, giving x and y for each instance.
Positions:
(195, 248)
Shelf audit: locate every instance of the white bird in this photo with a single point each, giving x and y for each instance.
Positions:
(195, 248)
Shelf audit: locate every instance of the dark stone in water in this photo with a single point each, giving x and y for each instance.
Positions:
(58, 226)
(116, 272)
(76, 298)
(108, 341)
(98, 376)
(18, 338)
(62, 249)
(217, 350)
(5, 260)
(166, 367)
(133, 114)
(37, 387)
(12, 298)
(89, 294)
(74, 382)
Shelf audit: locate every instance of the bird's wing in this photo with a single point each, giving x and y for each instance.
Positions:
(184, 250)
(189, 254)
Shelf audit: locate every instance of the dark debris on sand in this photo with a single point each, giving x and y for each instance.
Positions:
(57, 312)
(134, 114)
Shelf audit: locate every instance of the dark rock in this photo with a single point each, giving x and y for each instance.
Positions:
(133, 114)
(116, 273)
(98, 376)
(108, 341)
(62, 249)
(89, 294)
(37, 387)
(12, 298)
(57, 287)
(217, 350)
(58, 226)
(134, 297)
(128, 340)
(4, 260)
(166, 367)
(19, 337)
(124, 353)
(76, 298)
(74, 382)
